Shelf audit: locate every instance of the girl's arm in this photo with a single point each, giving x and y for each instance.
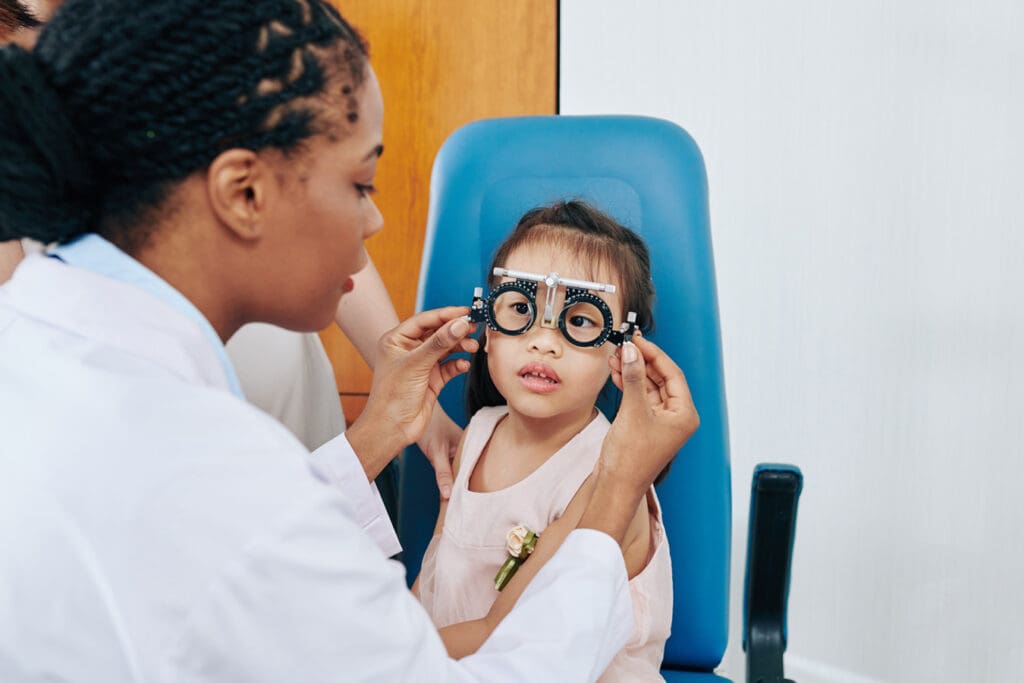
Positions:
(364, 316)
(465, 638)
(442, 511)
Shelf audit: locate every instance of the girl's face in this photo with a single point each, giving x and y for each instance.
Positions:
(540, 373)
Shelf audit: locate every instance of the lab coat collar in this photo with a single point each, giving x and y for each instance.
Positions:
(119, 315)
(93, 252)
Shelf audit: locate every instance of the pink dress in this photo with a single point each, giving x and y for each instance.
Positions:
(456, 580)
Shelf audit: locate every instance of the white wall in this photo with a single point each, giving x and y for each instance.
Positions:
(866, 171)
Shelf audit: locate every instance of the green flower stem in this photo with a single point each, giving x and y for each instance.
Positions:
(507, 571)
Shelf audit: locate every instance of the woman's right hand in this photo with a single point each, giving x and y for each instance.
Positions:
(656, 417)
(413, 364)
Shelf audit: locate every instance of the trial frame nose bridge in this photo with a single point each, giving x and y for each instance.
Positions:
(552, 281)
(482, 310)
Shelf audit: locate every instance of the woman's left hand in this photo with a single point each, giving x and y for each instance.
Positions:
(439, 443)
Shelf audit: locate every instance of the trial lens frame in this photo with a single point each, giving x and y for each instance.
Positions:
(576, 291)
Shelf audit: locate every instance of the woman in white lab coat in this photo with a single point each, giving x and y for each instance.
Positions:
(287, 374)
(204, 165)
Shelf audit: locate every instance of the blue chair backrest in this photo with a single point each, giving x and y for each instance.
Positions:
(649, 175)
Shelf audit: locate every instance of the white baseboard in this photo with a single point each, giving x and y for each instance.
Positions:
(812, 671)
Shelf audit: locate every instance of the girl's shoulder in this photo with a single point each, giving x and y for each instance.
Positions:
(487, 416)
(600, 425)
(478, 432)
(483, 422)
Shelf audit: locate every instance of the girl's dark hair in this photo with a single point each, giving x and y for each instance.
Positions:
(597, 239)
(121, 99)
(14, 16)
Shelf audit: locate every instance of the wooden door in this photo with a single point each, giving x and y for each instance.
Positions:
(441, 64)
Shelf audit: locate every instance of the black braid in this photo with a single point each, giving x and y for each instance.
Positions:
(156, 90)
(45, 186)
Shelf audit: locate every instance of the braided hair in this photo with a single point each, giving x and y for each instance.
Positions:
(121, 100)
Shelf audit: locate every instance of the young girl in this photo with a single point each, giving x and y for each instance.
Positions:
(535, 436)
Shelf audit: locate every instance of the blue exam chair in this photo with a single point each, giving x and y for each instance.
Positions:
(650, 176)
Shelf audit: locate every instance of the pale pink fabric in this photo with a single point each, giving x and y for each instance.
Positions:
(457, 577)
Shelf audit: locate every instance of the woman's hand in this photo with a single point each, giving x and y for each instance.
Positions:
(439, 443)
(655, 419)
(413, 363)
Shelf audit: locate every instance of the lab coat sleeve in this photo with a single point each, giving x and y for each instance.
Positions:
(337, 464)
(315, 600)
(568, 624)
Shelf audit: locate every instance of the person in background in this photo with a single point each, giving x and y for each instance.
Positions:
(284, 373)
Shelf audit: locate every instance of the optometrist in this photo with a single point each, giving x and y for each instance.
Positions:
(205, 165)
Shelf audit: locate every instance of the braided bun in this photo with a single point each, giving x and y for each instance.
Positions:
(140, 95)
(45, 182)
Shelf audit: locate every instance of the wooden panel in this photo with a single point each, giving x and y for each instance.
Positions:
(353, 405)
(441, 64)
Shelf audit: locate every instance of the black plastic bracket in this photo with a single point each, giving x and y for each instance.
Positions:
(775, 492)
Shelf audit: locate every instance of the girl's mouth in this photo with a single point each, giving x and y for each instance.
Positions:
(539, 378)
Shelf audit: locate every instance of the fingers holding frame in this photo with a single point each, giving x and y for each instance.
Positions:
(665, 382)
(422, 326)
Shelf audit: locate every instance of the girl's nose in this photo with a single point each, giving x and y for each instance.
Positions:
(545, 340)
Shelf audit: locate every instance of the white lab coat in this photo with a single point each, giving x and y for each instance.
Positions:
(155, 527)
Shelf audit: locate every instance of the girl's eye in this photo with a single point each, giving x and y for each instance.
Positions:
(581, 321)
(365, 190)
(521, 308)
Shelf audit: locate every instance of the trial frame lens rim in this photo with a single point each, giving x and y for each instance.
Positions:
(529, 293)
(574, 297)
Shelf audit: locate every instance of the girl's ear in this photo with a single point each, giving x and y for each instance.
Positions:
(483, 339)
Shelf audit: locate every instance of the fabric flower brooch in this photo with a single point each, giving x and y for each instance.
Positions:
(520, 543)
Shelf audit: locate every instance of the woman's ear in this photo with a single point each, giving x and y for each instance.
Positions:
(240, 187)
